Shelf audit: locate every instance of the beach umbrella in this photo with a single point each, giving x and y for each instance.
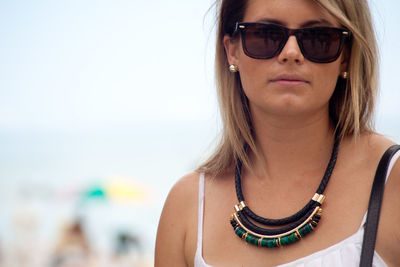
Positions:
(116, 190)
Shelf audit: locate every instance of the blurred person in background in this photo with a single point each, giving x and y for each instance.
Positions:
(72, 249)
(297, 82)
(127, 250)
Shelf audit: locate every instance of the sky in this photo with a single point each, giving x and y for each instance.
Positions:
(78, 63)
(85, 64)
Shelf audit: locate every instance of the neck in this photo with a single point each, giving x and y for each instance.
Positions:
(291, 145)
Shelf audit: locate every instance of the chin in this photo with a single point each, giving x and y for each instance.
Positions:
(289, 103)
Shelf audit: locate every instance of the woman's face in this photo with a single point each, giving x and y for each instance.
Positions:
(287, 84)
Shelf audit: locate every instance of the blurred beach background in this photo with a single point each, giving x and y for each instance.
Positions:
(104, 105)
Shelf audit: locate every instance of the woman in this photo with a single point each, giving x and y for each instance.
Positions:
(293, 102)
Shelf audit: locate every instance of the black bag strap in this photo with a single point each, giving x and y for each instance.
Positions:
(374, 207)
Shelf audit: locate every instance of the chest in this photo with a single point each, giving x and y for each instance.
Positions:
(341, 218)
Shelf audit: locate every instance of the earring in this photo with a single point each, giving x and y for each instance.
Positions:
(233, 68)
(345, 75)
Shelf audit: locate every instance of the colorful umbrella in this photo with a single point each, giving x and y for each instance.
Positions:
(117, 189)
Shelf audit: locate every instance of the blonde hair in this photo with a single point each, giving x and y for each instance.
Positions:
(351, 105)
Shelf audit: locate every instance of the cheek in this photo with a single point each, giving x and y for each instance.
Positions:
(254, 85)
(253, 74)
(325, 79)
(251, 79)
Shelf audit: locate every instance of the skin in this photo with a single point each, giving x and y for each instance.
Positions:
(294, 133)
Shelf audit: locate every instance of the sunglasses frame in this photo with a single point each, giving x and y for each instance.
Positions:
(345, 35)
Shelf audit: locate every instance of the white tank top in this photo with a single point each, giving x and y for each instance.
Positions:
(345, 253)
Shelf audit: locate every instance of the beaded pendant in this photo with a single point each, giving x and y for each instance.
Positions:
(278, 240)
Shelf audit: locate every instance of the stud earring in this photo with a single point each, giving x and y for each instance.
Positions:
(233, 68)
(345, 75)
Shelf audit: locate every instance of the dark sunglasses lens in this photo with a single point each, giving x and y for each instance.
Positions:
(261, 41)
(320, 44)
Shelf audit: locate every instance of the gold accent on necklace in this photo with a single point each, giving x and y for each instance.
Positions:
(295, 230)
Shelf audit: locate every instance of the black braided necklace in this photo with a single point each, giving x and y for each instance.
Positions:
(293, 228)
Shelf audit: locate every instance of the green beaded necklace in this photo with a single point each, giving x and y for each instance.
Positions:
(293, 227)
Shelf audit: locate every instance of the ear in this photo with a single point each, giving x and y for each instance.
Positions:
(231, 50)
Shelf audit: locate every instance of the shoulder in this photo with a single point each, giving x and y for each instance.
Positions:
(359, 157)
(184, 189)
(388, 238)
(176, 222)
(379, 145)
(368, 148)
(363, 156)
(182, 196)
(375, 146)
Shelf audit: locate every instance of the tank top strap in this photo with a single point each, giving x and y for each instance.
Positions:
(200, 214)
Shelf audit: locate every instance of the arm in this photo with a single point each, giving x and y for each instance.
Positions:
(180, 206)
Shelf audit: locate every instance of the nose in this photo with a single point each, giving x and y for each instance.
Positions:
(291, 52)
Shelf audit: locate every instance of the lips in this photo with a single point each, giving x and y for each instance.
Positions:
(289, 79)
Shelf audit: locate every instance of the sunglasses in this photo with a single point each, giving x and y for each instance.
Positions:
(317, 44)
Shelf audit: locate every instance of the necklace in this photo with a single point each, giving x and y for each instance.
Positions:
(293, 228)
